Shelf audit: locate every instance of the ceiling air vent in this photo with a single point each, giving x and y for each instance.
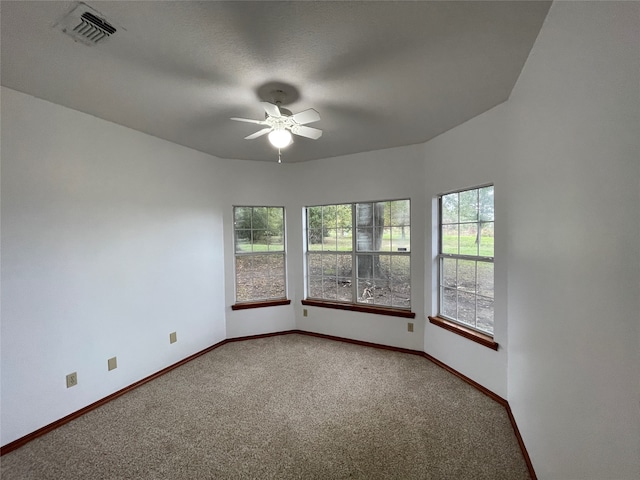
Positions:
(85, 25)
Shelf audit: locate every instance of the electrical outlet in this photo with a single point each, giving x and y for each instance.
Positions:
(112, 363)
(72, 379)
(410, 327)
(304, 312)
(173, 337)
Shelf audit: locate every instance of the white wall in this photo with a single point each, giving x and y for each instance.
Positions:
(574, 244)
(267, 184)
(564, 155)
(468, 156)
(381, 175)
(111, 239)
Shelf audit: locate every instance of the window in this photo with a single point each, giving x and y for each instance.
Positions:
(466, 258)
(366, 265)
(259, 254)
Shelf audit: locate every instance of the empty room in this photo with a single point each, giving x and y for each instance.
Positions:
(320, 240)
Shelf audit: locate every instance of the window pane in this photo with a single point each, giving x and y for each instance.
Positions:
(365, 265)
(259, 241)
(315, 287)
(469, 206)
(329, 288)
(259, 230)
(450, 239)
(383, 296)
(329, 265)
(276, 264)
(364, 215)
(276, 288)
(343, 216)
(276, 221)
(242, 217)
(260, 219)
(401, 281)
(401, 295)
(344, 289)
(244, 271)
(314, 218)
(275, 241)
(243, 240)
(244, 292)
(315, 239)
(469, 239)
(382, 214)
(467, 308)
(486, 240)
(314, 264)
(400, 213)
(329, 216)
(364, 237)
(384, 242)
(260, 265)
(366, 291)
(485, 315)
(400, 269)
(276, 244)
(261, 288)
(485, 279)
(344, 239)
(329, 242)
(467, 275)
(486, 204)
(450, 208)
(449, 303)
(449, 275)
(382, 267)
(344, 265)
(401, 239)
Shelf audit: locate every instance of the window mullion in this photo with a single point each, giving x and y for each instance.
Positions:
(466, 257)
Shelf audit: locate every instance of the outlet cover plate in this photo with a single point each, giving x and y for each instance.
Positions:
(173, 337)
(72, 379)
(112, 363)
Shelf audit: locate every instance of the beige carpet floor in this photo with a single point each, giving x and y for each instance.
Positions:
(285, 407)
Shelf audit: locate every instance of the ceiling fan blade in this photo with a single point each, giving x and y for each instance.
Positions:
(259, 133)
(271, 109)
(248, 120)
(308, 132)
(307, 116)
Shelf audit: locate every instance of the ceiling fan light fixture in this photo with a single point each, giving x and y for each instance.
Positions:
(280, 138)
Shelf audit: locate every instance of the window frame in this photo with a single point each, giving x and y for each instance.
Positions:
(267, 301)
(472, 332)
(354, 253)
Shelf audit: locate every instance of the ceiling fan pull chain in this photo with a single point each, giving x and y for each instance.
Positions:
(279, 157)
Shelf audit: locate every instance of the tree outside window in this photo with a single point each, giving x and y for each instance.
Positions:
(369, 264)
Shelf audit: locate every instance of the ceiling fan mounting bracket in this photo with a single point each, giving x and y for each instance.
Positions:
(278, 93)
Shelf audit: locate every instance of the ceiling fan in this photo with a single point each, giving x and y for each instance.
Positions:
(281, 123)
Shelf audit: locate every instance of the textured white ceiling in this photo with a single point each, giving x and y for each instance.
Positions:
(381, 74)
